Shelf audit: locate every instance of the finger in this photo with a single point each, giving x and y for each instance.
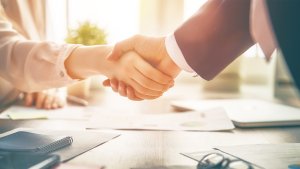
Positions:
(136, 86)
(148, 83)
(54, 104)
(61, 104)
(172, 85)
(122, 47)
(131, 95)
(57, 102)
(143, 96)
(122, 89)
(106, 83)
(114, 85)
(48, 102)
(152, 73)
(40, 100)
(28, 99)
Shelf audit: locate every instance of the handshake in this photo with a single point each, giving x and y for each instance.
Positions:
(149, 71)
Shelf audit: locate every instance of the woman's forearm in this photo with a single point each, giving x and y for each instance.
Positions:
(86, 61)
(32, 65)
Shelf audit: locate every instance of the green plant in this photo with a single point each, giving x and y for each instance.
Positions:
(87, 34)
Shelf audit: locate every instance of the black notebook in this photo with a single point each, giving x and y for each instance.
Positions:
(23, 141)
(13, 160)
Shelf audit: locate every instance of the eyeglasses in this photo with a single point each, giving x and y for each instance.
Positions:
(218, 161)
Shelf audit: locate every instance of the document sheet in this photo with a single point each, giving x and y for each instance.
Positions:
(67, 113)
(210, 120)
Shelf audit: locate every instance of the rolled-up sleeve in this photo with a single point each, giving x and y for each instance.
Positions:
(31, 65)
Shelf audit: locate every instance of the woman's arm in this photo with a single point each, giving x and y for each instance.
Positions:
(29, 65)
(131, 69)
(34, 66)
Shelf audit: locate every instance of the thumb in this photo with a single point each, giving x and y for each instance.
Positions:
(122, 47)
(115, 54)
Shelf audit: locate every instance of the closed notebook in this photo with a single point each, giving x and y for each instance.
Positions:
(22, 141)
(12, 160)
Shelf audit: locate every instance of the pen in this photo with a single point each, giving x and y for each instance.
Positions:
(77, 100)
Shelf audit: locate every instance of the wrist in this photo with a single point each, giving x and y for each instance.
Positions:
(86, 61)
(170, 67)
(99, 62)
(167, 63)
(176, 54)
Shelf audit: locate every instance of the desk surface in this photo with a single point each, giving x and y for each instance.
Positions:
(155, 148)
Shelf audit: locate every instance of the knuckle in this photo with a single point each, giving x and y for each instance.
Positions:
(117, 46)
(136, 37)
(122, 93)
(164, 87)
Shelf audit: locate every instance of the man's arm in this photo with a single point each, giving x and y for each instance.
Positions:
(216, 35)
(208, 41)
(152, 49)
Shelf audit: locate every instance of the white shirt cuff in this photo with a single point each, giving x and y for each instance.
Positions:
(64, 53)
(176, 54)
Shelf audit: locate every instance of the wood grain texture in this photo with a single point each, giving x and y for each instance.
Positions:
(135, 148)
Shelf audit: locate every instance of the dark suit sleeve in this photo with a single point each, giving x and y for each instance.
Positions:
(216, 35)
(284, 15)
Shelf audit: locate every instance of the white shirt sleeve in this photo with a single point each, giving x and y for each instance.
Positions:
(176, 54)
(261, 27)
(30, 65)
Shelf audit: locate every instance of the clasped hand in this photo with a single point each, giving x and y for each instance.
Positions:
(153, 70)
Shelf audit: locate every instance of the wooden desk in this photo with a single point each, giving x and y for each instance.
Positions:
(154, 148)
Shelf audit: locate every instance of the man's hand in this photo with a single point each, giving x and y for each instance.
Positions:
(134, 71)
(152, 49)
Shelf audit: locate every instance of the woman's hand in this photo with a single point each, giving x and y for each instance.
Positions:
(152, 50)
(134, 74)
(48, 99)
(131, 69)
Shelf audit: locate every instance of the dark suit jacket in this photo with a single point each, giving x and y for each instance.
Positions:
(285, 19)
(219, 32)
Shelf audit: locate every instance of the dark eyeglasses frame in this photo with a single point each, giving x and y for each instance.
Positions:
(223, 164)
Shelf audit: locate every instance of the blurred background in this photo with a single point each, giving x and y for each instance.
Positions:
(119, 19)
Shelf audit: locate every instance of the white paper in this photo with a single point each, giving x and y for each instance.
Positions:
(211, 120)
(247, 111)
(67, 113)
